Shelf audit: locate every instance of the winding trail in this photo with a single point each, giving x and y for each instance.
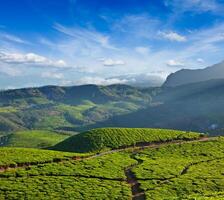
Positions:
(137, 192)
(131, 179)
(137, 147)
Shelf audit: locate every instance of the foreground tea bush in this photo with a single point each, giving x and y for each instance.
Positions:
(112, 138)
(35, 188)
(109, 166)
(187, 171)
(96, 178)
(13, 156)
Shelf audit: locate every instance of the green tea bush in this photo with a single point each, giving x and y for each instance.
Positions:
(112, 138)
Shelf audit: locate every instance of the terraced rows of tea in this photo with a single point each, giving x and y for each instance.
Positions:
(173, 169)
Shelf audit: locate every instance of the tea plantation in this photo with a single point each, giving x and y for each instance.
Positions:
(177, 165)
(112, 138)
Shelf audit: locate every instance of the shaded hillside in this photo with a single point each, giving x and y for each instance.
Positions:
(186, 76)
(193, 107)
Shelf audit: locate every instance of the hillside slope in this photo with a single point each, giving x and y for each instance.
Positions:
(66, 108)
(193, 107)
(112, 138)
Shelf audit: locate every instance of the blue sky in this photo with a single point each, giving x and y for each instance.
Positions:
(68, 42)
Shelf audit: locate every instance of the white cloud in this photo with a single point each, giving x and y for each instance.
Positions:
(111, 62)
(200, 60)
(146, 80)
(196, 6)
(12, 38)
(174, 63)
(172, 36)
(52, 75)
(85, 36)
(97, 81)
(31, 59)
(135, 27)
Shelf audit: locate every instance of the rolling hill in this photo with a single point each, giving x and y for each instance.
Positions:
(113, 138)
(66, 108)
(193, 107)
(190, 107)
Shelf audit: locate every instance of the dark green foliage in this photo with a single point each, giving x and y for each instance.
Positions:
(112, 138)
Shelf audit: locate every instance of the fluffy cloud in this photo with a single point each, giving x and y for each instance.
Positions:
(111, 62)
(30, 58)
(97, 81)
(143, 80)
(200, 60)
(172, 36)
(174, 63)
(140, 80)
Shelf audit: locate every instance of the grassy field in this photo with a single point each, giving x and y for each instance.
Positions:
(34, 139)
(112, 138)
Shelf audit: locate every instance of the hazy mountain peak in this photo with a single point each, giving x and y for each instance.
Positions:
(185, 76)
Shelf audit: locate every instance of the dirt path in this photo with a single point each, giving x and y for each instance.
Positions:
(135, 148)
(140, 146)
(137, 192)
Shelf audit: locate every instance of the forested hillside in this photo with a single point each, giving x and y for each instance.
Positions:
(66, 108)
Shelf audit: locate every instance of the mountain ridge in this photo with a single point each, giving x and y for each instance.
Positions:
(186, 76)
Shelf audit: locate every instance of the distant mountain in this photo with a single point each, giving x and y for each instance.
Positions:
(186, 76)
(65, 108)
(191, 107)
